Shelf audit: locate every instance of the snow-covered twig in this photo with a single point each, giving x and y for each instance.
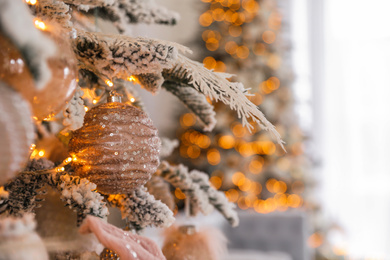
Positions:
(87, 4)
(122, 56)
(24, 189)
(216, 86)
(167, 146)
(216, 198)
(147, 11)
(152, 82)
(194, 101)
(161, 190)
(178, 176)
(141, 209)
(196, 185)
(53, 10)
(74, 112)
(79, 194)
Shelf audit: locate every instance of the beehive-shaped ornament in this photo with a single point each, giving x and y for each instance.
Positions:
(117, 148)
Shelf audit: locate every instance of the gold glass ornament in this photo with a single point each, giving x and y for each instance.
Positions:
(117, 148)
(53, 96)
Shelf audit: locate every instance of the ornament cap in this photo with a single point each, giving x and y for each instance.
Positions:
(187, 229)
(114, 97)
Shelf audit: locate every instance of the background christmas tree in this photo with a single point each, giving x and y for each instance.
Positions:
(250, 39)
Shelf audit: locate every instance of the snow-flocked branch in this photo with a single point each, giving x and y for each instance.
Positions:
(196, 185)
(216, 86)
(52, 10)
(194, 101)
(147, 11)
(74, 112)
(122, 56)
(141, 209)
(167, 146)
(151, 82)
(87, 4)
(79, 194)
(161, 190)
(24, 189)
(216, 198)
(179, 178)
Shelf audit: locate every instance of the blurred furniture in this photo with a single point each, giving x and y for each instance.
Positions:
(280, 231)
(255, 255)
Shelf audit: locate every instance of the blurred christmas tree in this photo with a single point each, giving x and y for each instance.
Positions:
(250, 38)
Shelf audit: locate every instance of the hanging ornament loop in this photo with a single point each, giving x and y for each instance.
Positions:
(114, 97)
(187, 229)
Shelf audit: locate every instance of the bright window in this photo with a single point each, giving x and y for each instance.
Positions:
(349, 57)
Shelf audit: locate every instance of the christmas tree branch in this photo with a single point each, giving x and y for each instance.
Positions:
(161, 190)
(53, 11)
(196, 185)
(179, 177)
(74, 112)
(167, 146)
(76, 192)
(216, 86)
(122, 56)
(194, 101)
(141, 209)
(216, 198)
(147, 11)
(79, 194)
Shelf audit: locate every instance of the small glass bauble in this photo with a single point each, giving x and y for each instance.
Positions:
(53, 96)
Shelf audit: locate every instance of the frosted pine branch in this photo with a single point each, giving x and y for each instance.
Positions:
(87, 4)
(147, 11)
(216, 198)
(24, 189)
(53, 10)
(161, 191)
(122, 56)
(167, 146)
(196, 185)
(216, 86)
(179, 177)
(151, 82)
(194, 101)
(74, 112)
(142, 209)
(79, 194)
